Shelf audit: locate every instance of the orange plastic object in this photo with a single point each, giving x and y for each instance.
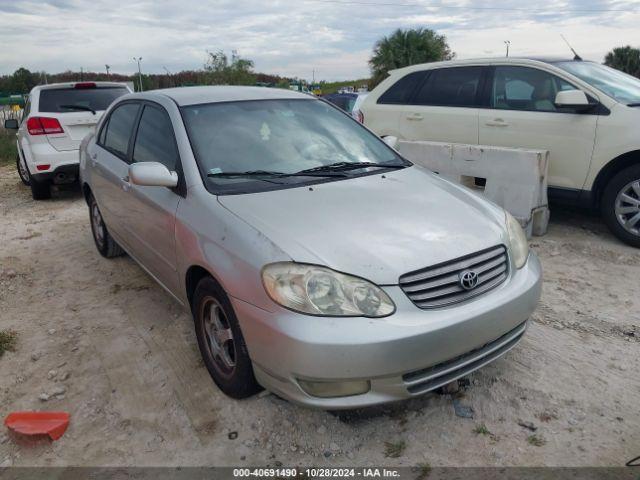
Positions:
(53, 424)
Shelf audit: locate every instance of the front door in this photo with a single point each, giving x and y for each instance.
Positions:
(151, 219)
(522, 114)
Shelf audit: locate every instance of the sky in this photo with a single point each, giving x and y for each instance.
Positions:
(331, 38)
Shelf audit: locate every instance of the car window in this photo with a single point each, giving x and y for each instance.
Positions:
(622, 87)
(103, 133)
(452, 87)
(59, 100)
(284, 136)
(119, 128)
(400, 92)
(339, 101)
(351, 101)
(523, 88)
(155, 139)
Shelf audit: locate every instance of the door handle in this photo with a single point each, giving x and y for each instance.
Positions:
(498, 122)
(415, 116)
(126, 185)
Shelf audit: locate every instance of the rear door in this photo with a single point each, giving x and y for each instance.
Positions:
(444, 108)
(382, 114)
(151, 216)
(109, 162)
(69, 106)
(522, 114)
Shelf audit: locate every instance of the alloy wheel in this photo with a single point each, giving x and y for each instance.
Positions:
(627, 207)
(98, 225)
(219, 336)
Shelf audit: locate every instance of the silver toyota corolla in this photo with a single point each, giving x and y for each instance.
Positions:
(317, 262)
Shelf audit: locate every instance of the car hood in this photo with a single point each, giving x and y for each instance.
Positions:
(378, 226)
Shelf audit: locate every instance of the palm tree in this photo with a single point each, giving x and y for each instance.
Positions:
(407, 47)
(626, 59)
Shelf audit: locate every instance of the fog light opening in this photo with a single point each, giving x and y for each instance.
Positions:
(335, 389)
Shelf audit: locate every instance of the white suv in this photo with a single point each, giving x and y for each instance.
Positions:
(56, 119)
(585, 114)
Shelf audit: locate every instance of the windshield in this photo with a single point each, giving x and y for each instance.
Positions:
(60, 100)
(622, 87)
(280, 136)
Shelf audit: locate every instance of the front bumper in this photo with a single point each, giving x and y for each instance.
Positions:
(404, 355)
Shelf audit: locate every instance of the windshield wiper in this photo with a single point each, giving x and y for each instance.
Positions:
(268, 173)
(633, 104)
(342, 166)
(79, 107)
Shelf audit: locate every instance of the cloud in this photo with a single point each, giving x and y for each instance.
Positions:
(294, 37)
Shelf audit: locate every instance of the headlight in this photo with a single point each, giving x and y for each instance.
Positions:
(517, 241)
(318, 290)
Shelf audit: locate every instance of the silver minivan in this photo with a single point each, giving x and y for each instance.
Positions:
(316, 261)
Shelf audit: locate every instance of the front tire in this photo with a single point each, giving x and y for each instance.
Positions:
(23, 171)
(220, 340)
(621, 205)
(105, 244)
(40, 190)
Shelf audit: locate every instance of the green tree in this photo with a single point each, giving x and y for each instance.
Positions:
(626, 59)
(221, 71)
(407, 47)
(22, 81)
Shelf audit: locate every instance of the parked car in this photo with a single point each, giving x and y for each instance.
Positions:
(349, 102)
(56, 118)
(356, 112)
(585, 114)
(316, 261)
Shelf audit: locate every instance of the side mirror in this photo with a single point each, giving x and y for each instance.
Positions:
(152, 174)
(11, 124)
(575, 99)
(390, 140)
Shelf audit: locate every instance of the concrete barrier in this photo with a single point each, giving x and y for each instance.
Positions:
(515, 179)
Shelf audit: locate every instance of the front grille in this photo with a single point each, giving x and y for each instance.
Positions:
(430, 378)
(439, 285)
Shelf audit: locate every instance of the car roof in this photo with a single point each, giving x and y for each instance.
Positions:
(487, 61)
(215, 94)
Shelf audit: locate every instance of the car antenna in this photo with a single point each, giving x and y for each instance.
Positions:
(575, 54)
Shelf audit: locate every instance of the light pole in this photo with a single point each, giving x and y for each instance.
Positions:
(168, 75)
(138, 60)
(107, 67)
(507, 43)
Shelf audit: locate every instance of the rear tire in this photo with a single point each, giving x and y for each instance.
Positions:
(620, 205)
(220, 340)
(23, 171)
(105, 244)
(40, 190)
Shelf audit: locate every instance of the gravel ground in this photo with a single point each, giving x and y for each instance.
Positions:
(100, 340)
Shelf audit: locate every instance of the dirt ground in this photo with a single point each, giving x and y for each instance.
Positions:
(100, 340)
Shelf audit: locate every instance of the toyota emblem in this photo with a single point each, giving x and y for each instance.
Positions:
(468, 279)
